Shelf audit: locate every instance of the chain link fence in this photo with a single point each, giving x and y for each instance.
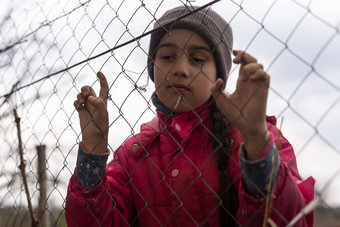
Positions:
(50, 49)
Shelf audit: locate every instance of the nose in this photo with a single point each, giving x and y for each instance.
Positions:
(181, 67)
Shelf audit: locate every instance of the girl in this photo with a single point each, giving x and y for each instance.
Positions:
(208, 158)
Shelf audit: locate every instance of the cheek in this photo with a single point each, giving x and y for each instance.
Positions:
(159, 77)
(207, 79)
(210, 73)
(160, 68)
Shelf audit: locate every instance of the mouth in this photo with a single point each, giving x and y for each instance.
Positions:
(180, 88)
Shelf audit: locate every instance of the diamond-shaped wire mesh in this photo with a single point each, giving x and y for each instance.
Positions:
(50, 49)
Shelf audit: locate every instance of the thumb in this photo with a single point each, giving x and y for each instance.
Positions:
(217, 87)
(220, 96)
(97, 102)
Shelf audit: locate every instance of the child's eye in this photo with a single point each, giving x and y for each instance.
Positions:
(198, 60)
(167, 57)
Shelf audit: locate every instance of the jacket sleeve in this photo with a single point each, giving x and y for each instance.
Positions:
(290, 193)
(256, 174)
(107, 204)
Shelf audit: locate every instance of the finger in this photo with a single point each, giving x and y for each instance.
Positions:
(78, 106)
(81, 99)
(260, 75)
(86, 91)
(243, 57)
(104, 86)
(250, 69)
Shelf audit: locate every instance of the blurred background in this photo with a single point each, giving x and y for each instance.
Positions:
(50, 49)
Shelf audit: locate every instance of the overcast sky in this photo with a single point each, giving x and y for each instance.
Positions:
(296, 41)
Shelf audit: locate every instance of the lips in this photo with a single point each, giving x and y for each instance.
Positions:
(179, 88)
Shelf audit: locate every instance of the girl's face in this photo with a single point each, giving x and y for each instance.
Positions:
(184, 66)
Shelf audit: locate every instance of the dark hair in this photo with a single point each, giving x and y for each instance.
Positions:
(222, 147)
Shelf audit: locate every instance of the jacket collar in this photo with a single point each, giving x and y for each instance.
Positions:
(160, 106)
(183, 123)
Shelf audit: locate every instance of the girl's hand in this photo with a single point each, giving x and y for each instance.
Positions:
(93, 116)
(246, 107)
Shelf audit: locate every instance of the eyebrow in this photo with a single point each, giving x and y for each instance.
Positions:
(193, 47)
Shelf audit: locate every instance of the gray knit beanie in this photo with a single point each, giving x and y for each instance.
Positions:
(206, 23)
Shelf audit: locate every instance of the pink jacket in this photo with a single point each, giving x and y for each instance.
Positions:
(151, 182)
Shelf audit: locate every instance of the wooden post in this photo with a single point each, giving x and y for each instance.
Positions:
(42, 180)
